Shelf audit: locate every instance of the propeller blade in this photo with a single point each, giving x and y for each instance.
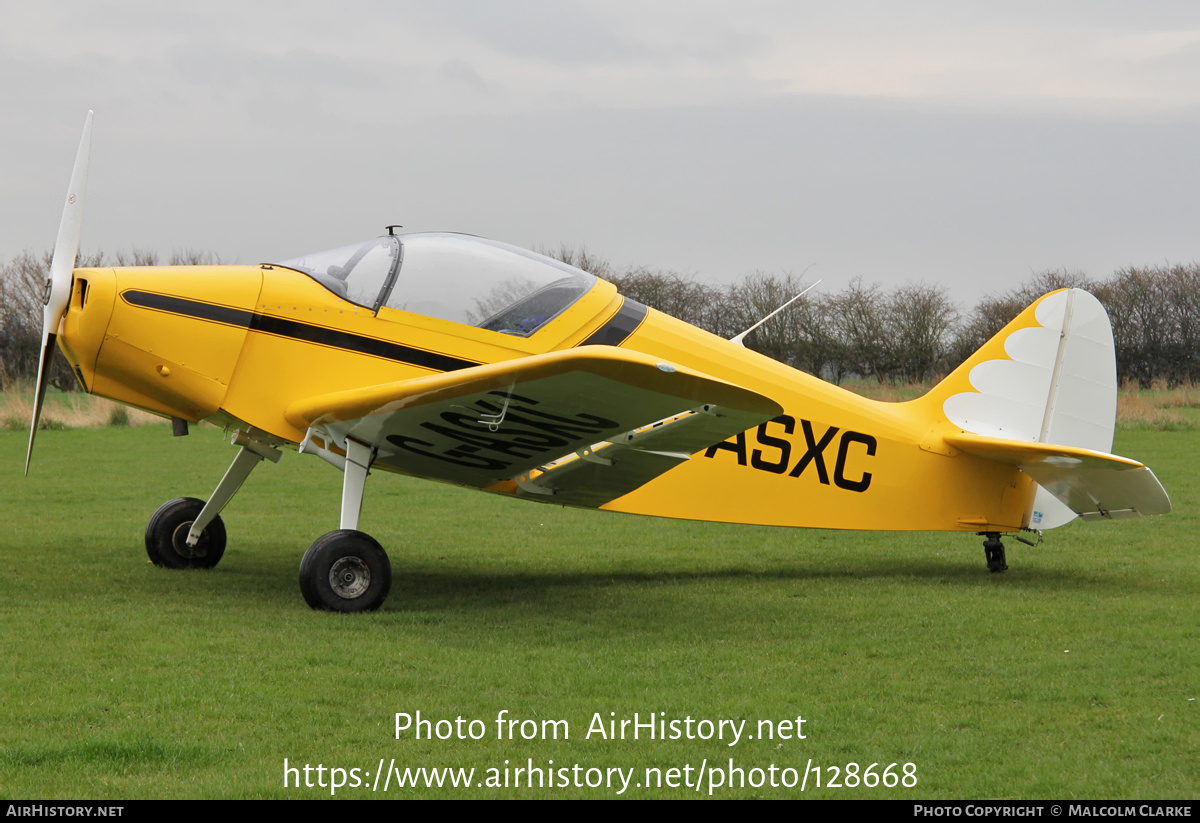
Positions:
(62, 267)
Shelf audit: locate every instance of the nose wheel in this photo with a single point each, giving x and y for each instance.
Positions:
(167, 536)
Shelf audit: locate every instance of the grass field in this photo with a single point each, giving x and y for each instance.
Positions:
(1074, 675)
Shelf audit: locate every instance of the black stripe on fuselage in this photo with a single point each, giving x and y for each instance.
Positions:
(623, 323)
(189, 308)
(295, 330)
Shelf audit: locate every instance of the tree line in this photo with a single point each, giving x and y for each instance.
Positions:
(915, 333)
(912, 333)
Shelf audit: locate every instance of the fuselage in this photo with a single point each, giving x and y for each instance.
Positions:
(237, 345)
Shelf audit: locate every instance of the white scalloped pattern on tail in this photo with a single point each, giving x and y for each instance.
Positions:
(1059, 386)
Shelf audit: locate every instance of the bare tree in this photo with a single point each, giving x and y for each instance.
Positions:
(193, 257)
(581, 258)
(136, 257)
(860, 325)
(1047, 281)
(920, 319)
(994, 312)
(677, 295)
(1155, 314)
(797, 336)
(1183, 300)
(22, 296)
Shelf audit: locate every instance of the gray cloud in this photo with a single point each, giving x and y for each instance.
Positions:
(460, 71)
(555, 32)
(666, 135)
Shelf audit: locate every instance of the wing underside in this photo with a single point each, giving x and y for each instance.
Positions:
(579, 427)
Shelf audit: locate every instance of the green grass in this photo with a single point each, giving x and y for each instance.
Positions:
(1073, 675)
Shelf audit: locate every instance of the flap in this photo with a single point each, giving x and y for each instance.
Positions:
(615, 468)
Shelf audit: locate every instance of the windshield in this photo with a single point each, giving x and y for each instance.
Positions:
(453, 277)
(357, 273)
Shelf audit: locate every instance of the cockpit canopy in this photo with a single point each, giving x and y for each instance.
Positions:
(453, 277)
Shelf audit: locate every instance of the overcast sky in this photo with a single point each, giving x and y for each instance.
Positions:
(966, 144)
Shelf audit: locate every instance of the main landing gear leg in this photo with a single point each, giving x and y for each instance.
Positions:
(354, 481)
(993, 550)
(187, 533)
(347, 570)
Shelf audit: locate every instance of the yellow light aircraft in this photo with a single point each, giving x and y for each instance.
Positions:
(460, 359)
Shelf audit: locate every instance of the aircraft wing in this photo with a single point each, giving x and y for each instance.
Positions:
(1094, 485)
(578, 427)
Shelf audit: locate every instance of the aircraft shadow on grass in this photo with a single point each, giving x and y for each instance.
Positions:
(429, 590)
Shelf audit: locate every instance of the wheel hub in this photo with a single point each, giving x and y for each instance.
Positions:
(179, 541)
(349, 577)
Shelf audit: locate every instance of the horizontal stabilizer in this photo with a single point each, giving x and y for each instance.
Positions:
(1094, 485)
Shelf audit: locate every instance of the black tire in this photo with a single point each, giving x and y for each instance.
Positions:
(345, 571)
(167, 531)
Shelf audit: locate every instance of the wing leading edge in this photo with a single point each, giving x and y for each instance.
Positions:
(578, 427)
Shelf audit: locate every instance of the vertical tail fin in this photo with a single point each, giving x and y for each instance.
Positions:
(1050, 377)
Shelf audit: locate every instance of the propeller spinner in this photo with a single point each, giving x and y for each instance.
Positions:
(62, 267)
